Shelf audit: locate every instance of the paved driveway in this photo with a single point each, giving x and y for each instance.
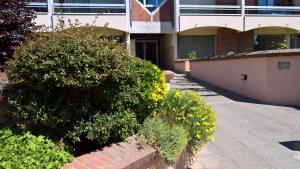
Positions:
(248, 133)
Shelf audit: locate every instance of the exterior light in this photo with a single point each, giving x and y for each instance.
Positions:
(244, 77)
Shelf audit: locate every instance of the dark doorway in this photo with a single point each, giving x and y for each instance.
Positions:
(147, 50)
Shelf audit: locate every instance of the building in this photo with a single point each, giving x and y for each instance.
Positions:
(163, 31)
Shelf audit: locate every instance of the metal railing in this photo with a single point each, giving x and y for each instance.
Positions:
(237, 10)
(89, 8)
(272, 10)
(40, 7)
(210, 9)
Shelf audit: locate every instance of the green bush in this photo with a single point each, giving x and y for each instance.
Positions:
(192, 55)
(170, 141)
(190, 110)
(28, 151)
(83, 85)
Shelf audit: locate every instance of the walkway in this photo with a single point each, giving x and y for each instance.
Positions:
(248, 133)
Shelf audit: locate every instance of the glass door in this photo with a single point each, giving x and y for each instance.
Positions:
(147, 50)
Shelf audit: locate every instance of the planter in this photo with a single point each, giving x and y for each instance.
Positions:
(169, 75)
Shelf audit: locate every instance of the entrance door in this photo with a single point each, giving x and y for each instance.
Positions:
(147, 50)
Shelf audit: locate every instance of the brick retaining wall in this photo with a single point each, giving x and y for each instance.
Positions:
(126, 156)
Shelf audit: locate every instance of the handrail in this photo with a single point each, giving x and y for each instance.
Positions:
(39, 7)
(210, 9)
(210, 6)
(272, 10)
(38, 4)
(89, 5)
(273, 7)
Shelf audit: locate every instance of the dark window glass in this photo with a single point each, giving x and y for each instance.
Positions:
(203, 45)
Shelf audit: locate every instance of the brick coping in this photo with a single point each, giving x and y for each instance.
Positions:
(126, 155)
(257, 54)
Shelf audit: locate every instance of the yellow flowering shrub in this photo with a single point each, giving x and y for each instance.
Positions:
(190, 110)
(153, 88)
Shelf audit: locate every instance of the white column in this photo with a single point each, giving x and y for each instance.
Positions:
(50, 14)
(176, 15)
(128, 15)
(176, 30)
(175, 48)
(127, 38)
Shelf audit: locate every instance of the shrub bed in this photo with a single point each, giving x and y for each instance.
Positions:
(83, 85)
(190, 110)
(184, 120)
(25, 150)
(169, 140)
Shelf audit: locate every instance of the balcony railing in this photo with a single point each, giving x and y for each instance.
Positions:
(40, 6)
(210, 9)
(90, 8)
(272, 10)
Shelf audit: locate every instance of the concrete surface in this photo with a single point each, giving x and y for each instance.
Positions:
(248, 133)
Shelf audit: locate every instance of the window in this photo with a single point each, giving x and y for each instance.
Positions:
(151, 5)
(203, 45)
(295, 41)
(268, 42)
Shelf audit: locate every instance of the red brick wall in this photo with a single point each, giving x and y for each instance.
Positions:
(233, 2)
(165, 13)
(126, 156)
(138, 13)
(229, 40)
(246, 41)
(226, 2)
(251, 2)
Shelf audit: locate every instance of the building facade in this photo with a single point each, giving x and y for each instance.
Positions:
(163, 31)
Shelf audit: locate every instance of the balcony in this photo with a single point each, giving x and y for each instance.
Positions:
(192, 15)
(239, 16)
(100, 13)
(272, 16)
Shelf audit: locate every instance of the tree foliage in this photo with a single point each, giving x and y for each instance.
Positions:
(15, 23)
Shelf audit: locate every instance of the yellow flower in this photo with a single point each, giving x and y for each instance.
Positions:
(197, 124)
(190, 115)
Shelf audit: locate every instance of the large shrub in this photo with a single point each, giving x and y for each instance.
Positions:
(82, 84)
(190, 110)
(25, 150)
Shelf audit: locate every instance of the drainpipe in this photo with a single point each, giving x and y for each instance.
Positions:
(50, 13)
(243, 4)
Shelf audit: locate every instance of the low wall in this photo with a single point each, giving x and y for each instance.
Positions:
(271, 77)
(126, 156)
(182, 66)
